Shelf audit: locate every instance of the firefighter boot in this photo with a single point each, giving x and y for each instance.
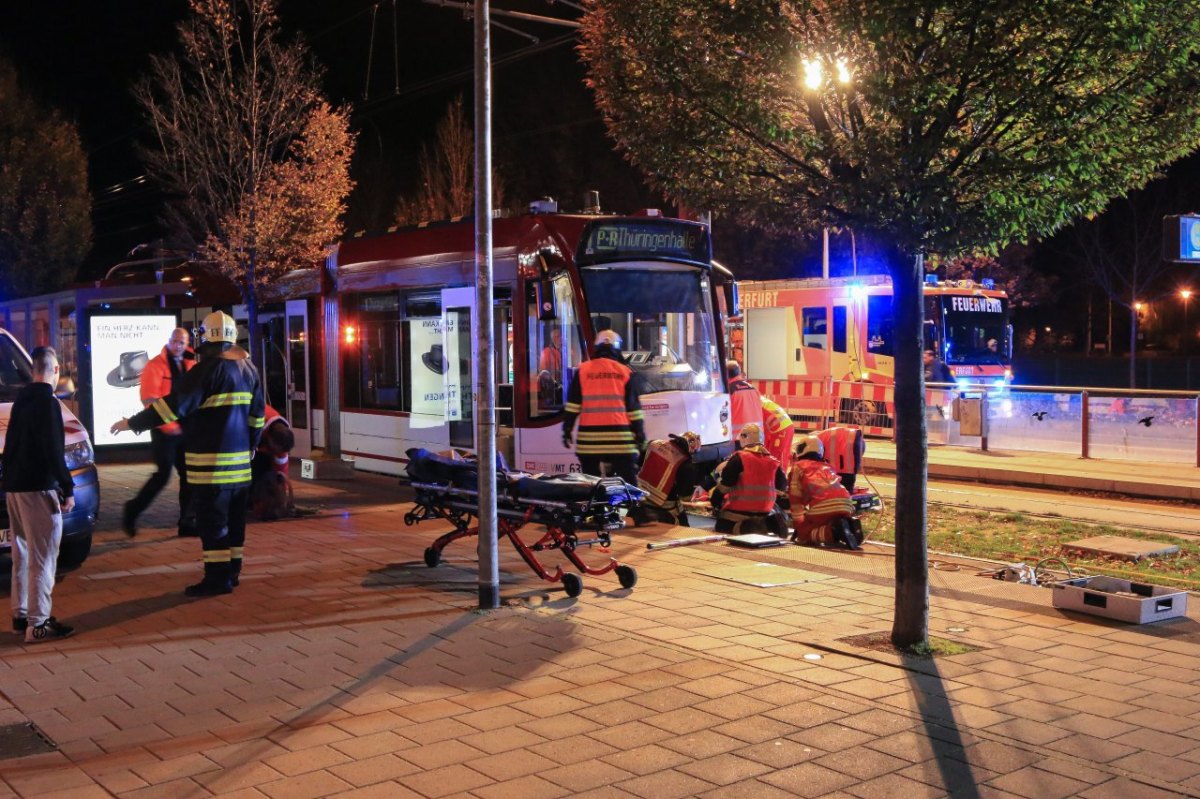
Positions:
(235, 571)
(216, 581)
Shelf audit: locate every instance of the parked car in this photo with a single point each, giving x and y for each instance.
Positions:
(16, 370)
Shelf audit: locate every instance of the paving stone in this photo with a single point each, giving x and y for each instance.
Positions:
(808, 779)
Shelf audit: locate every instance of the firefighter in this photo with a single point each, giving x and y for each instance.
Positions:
(778, 431)
(603, 398)
(667, 475)
(844, 447)
(745, 403)
(821, 507)
(752, 481)
(221, 400)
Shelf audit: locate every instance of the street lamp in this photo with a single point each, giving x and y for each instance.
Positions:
(1187, 295)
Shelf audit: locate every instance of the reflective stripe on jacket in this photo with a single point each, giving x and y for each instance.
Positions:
(602, 398)
(754, 491)
(745, 405)
(814, 482)
(157, 381)
(659, 471)
(222, 399)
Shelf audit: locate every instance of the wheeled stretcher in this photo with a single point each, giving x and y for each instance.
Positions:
(568, 505)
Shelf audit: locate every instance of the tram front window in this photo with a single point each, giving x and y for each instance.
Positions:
(664, 315)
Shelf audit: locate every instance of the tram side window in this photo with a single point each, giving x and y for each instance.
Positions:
(553, 351)
(372, 351)
(880, 326)
(815, 328)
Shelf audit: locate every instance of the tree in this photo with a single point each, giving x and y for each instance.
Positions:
(447, 174)
(931, 126)
(257, 161)
(1011, 270)
(45, 207)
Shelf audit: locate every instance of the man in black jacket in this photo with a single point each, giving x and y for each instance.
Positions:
(39, 490)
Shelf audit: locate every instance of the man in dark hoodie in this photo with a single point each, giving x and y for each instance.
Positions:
(222, 401)
(39, 490)
(603, 398)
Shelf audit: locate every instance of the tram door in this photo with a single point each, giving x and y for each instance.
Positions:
(459, 351)
(284, 367)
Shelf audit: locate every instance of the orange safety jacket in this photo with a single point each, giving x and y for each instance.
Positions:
(279, 463)
(843, 448)
(602, 397)
(815, 484)
(157, 382)
(659, 471)
(745, 405)
(754, 491)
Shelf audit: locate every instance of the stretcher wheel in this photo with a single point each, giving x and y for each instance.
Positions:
(627, 575)
(432, 557)
(410, 519)
(573, 584)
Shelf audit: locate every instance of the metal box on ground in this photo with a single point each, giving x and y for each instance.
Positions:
(327, 468)
(1122, 600)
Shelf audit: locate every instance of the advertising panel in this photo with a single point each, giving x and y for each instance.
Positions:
(429, 369)
(121, 348)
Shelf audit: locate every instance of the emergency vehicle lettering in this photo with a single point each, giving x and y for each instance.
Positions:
(977, 304)
(760, 299)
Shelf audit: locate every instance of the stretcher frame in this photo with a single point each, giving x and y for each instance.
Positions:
(563, 521)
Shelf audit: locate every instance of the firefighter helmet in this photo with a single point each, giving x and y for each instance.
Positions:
(751, 435)
(691, 439)
(218, 327)
(610, 338)
(810, 445)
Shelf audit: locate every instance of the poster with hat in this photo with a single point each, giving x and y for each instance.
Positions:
(429, 366)
(121, 346)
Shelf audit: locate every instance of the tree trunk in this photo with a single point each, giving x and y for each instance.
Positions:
(911, 622)
(1133, 326)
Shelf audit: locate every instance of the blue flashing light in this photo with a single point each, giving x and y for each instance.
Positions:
(932, 280)
(988, 283)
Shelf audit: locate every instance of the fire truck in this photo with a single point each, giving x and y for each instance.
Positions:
(823, 348)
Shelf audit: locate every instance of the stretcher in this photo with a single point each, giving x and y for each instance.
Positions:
(576, 510)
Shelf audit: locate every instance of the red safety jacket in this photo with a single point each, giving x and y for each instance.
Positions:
(279, 463)
(843, 448)
(815, 484)
(745, 405)
(157, 382)
(603, 399)
(659, 471)
(754, 492)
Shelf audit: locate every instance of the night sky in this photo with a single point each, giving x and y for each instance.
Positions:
(82, 58)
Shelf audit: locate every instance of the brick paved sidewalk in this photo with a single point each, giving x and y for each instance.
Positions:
(343, 666)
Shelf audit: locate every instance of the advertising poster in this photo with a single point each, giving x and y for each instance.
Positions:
(430, 366)
(121, 348)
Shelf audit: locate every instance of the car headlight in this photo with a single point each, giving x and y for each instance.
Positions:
(79, 455)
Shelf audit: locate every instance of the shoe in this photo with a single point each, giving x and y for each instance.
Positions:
(47, 630)
(188, 532)
(20, 625)
(209, 588)
(129, 520)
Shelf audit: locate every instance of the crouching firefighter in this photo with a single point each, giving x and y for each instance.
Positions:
(753, 482)
(221, 403)
(822, 512)
(667, 476)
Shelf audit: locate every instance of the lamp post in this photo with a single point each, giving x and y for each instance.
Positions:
(1186, 294)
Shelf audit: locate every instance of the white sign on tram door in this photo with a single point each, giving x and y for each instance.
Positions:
(430, 366)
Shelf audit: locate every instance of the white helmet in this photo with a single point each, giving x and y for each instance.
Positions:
(810, 445)
(751, 435)
(218, 326)
(610, 337)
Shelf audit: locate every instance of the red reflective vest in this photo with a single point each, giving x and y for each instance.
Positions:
(745, 405)
(157, 383)
(659, 470)
(279, 463)
(816, 485)
(843, 448)
(754, 491)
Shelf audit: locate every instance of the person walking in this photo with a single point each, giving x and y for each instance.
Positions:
(221, 401)
(603, 399)
(745, 403)
(166, 440)
(39, 490)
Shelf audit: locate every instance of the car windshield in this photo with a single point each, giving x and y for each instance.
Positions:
(14, 369)
(664, 315)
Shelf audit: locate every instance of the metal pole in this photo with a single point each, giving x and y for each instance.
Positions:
(485, 385)
(825, 253)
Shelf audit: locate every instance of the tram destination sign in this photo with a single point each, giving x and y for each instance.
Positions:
(607, 240)
(1181, 239)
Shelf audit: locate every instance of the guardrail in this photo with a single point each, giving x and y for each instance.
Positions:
(1121, 424)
